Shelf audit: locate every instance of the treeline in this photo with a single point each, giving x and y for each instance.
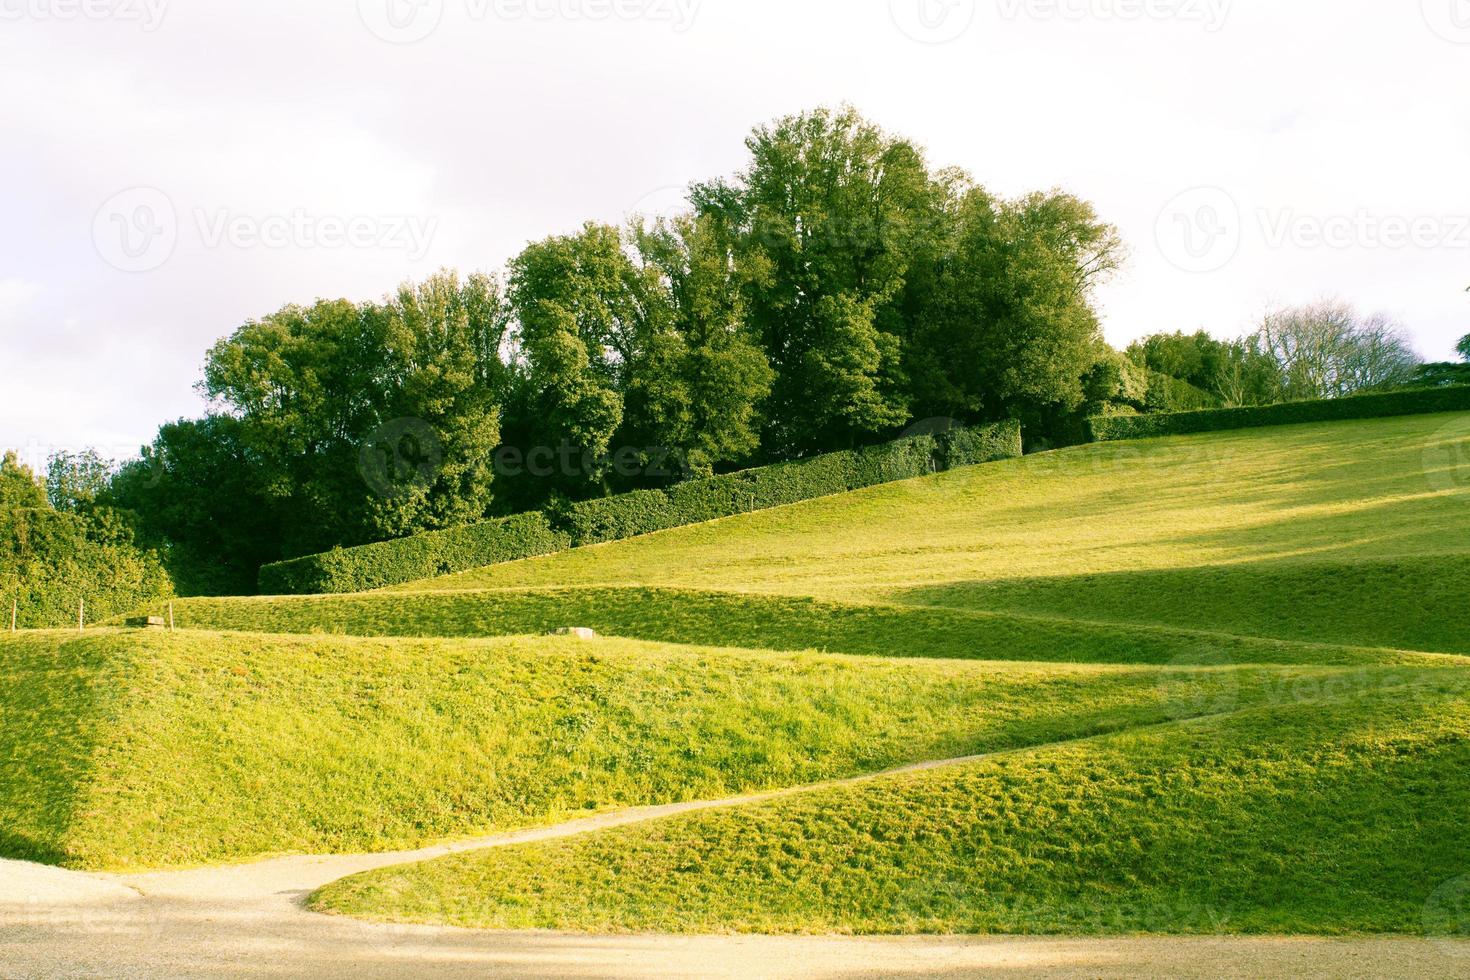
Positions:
(832, 293)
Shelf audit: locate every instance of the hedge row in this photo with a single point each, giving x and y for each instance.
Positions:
(1414, 402)
(374, 566)
(631, 514)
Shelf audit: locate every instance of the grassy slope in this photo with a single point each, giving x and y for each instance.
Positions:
(1340, 815)
(127, 749)
(1328, 535)
(1298, 524)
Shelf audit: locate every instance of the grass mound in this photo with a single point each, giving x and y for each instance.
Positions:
(1323, 816)
(128, 749)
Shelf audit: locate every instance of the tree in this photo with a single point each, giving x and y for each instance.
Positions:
(699, 383)
(579, 301)
(1329, 350)
(836, 211)
(1463, 347)
(19, 487)
(1011, 331)
(74, 481)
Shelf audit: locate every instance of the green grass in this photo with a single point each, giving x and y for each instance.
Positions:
(1339, 814)
(1251, 543)
(127, 749)
(1298, 592)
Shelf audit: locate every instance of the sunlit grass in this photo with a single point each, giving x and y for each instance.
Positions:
(1318, 816)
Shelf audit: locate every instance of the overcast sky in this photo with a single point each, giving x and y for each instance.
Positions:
(172, 168)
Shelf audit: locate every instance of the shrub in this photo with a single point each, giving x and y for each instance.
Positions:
(1413, 402)
(632, 514)
(421, 556)
(50, 560)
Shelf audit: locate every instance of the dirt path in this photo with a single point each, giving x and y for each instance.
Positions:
(249, 921)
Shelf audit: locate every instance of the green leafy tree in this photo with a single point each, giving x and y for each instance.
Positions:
(581, 304)
(74, 481)
(1463, 348)
(701, 378)
(1010, 330)
(835, 211)
(19, 486)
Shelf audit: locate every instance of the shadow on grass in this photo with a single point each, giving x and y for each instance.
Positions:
(1412, 603)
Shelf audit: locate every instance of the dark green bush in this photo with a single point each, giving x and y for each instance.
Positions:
(1414, 402)
(374, 566)
(50, 561)
(632, 514)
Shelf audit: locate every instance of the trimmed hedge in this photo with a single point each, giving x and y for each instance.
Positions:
(632, 514)
(1415, 402)
(374, 566)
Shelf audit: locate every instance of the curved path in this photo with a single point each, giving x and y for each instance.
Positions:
(250, 921)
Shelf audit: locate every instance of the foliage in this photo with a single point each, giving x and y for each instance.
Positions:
(167, 750)
(1307, 816)
(51, 562)
(420, 556)
(831, 211)
(1410, 402)
(1329, 350)
(76, 481)
(1463, 347)
(1011, 331)
(19, 486)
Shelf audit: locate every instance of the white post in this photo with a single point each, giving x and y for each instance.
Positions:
(81, 615)
(13, 604)
(170, 617)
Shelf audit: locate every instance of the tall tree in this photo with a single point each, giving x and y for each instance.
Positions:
(1010, 329)
(19, 487)
(1327, 350)
(837, 210)
(700, 380)
(581, 303)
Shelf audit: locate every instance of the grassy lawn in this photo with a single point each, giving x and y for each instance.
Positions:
(129, 749)
(1321, 816)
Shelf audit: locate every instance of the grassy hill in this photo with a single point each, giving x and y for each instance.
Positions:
(1129, 552)
(126, 749)
(1226, 673)
(1320, 816)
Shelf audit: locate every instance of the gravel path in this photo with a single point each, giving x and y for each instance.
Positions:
(249, 921)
